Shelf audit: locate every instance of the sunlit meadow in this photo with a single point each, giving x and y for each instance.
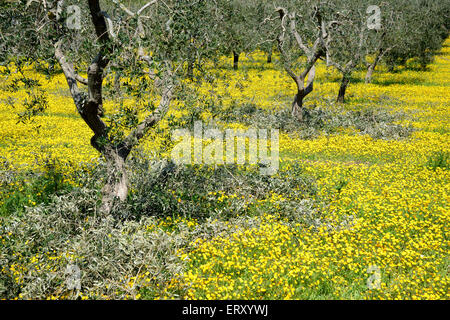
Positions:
(378, 218)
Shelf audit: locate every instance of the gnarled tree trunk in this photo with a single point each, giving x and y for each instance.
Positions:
(90, 105)
(116, 186)
(269, 56)
(298, 111)
(190, 70)
(344, 83)
(369, 73)
(235, 60)
(297, 105)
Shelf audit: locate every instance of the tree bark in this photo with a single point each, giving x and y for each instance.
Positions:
(344, 83)
(297, 105)
(116, 186)
(269, 56)
(235, 60)
(90, 107)
(369, 73)
(372, 66)
(190, 70)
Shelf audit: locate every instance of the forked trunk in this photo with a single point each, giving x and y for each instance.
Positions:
(235, 60)
(344, 83)
(116, 186)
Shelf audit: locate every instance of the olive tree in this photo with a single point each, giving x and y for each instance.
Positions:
(385, 37)
(237, 25)
(146, 45)
(421, 30)
(302, 41)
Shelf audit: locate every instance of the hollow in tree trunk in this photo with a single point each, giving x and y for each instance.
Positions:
(235, 60)
(344, 83)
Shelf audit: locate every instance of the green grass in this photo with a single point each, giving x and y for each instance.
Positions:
(439, 159)
(29, 189)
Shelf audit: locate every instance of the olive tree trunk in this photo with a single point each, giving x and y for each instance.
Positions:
(235, 60)
(298, 111)
(116, 186)
(313, 54)
(269, 56)
(372, 66)
(297, 105)
(344, 83)
(190, 64)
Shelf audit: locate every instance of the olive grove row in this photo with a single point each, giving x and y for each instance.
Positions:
(158, 43)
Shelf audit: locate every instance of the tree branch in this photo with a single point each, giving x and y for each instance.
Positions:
(70, 76)
(309, 84)
(140, 131)
(297, 35)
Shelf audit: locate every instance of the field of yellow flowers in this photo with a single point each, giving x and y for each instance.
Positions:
(382, 226)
